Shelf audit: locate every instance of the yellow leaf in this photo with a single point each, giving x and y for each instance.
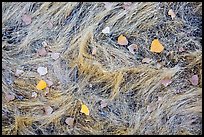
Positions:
(122, 40)
(84, 109)
(41, 85)
(156, 46)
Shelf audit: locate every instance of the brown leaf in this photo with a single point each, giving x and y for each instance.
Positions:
(166, 81)
(26, 19)
(132, 48)
(69, 121)
(42, 52)
(146, 60)
(9, 97)
(194, 80)
(48, 110)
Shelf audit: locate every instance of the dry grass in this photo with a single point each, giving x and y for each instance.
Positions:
(115, 74)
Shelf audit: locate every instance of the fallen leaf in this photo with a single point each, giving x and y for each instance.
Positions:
(41, 85)
(94, 51)
(171, 13)
(69, 121)
(18, 72)
(166, 81)
(46, 91)
(181, 49)
(42, 52)
(55, 56)
(49, 83)
(194, 80)
(158, 65)
(84, 109)
(106, 30)
(48, 110)
(9, 97)
(44, 43)
(108, 5)
(26, 19)
(156, 46)
(103, 103)
(49, 25)
(42, 70)
(34, 95)
(132, 48)
(122, 40)
(146, 60)
(126, 5)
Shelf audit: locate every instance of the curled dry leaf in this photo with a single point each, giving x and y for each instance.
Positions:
(26, 19)
(171, 13)
(9, 97)
(106, 30)
(42, 70)
(48, 110)
(18, 72)
(94, 51)
(42, 52)
(84, 109)
(69, 121)
(166, 81)
(122, 40)
(34, 95)
(156, 46)
(146, 60)
(194, 80)
(41, 85)
(55, 56)
(132, 48)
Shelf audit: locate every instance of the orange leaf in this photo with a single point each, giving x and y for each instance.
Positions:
(41, 85)
(122, 40)
(156, 46)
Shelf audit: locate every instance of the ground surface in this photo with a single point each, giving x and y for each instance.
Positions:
(124, 95)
